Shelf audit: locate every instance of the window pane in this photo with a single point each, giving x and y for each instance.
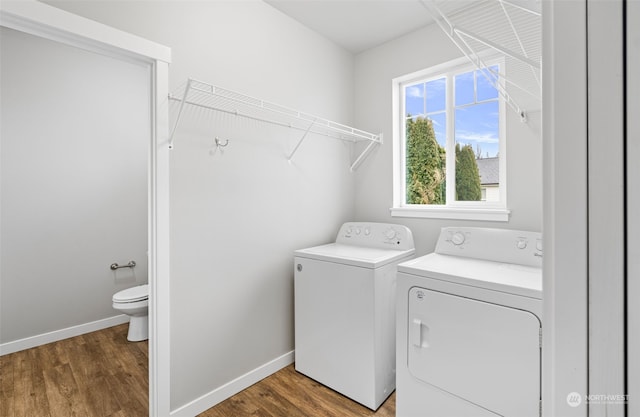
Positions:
(464, 89)
(477, 146)
(478, 126)
(425, 163)
(436, 95)
(486, 90)
(414, 100)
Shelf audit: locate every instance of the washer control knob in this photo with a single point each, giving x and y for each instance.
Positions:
(357, 230)
(390, 234)
(539, 244)
(458, 238)
(367, 231)
(521, 243)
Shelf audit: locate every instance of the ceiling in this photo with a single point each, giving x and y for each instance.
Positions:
(358, 25)
(510, 27)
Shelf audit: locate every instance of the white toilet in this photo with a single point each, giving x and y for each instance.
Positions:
(135, 303)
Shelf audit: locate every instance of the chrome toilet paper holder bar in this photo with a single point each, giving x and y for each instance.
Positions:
(115, 266)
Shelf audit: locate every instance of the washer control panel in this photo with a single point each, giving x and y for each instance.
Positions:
(376, 235)
(500, 245)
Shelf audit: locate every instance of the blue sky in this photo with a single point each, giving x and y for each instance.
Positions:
(476, 119)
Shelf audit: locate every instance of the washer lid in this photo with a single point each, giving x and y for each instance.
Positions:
(365, 257)
(133, 294)
(498, 276)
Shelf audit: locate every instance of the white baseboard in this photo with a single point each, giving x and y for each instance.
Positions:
(231, 388)
(54, 336)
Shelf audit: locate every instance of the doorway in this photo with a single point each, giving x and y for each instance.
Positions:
(82, 36)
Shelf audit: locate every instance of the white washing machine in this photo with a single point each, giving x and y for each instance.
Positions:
(469, 326)
(345, 310)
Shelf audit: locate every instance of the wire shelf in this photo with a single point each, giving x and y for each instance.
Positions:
(212, 97)
(512, 29)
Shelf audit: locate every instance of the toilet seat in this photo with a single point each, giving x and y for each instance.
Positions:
(132, 295)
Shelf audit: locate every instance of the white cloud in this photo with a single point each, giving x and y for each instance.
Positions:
(479, 137)
(414, 91)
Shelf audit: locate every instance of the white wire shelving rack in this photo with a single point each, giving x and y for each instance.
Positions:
(215, 98)
(469, 43)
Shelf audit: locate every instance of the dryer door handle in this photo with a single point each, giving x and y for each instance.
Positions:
(418, 334)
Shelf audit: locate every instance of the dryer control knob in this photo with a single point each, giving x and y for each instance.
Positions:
(458, 238)
(521, 243)
(390, 234)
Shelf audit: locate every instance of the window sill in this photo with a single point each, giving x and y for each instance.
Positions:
(453, 213)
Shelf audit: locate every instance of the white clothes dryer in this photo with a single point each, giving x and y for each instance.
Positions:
(470, 325)
(345, 310)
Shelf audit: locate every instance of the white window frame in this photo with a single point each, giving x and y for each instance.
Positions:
(459, 210)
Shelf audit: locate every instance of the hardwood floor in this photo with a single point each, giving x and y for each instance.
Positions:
(98, 374)
(101, 374)
(290, 394)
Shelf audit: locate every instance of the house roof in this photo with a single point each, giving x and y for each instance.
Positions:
(489, 170)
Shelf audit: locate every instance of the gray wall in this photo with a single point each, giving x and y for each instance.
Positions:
(374, 70)
(237, 215)
(74, 137)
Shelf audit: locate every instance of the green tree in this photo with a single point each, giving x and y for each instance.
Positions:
(425, 164)
(467, 175)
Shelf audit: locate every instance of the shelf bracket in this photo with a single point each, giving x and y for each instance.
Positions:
(295, 149)
(175, 126)
(365, 153)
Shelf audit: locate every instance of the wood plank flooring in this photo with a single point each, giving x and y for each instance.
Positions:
(290, 394)
(101, 374)
(98, 374)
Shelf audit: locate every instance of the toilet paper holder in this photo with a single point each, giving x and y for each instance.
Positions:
(115, 266)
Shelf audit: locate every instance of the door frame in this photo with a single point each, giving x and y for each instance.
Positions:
(50, 23)
(606, 205)
(632, 148)
(565, 215)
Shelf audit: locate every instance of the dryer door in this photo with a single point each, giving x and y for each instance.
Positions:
(483, 353)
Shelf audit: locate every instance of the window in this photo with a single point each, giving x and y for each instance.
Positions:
(449, 148)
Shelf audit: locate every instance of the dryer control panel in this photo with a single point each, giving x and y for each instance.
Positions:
(376, 235)
(499, 245)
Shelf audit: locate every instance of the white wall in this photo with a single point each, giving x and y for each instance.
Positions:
(75, 135)
(237, 215)
(374, 70)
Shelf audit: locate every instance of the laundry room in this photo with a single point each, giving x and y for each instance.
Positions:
(276, 128)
